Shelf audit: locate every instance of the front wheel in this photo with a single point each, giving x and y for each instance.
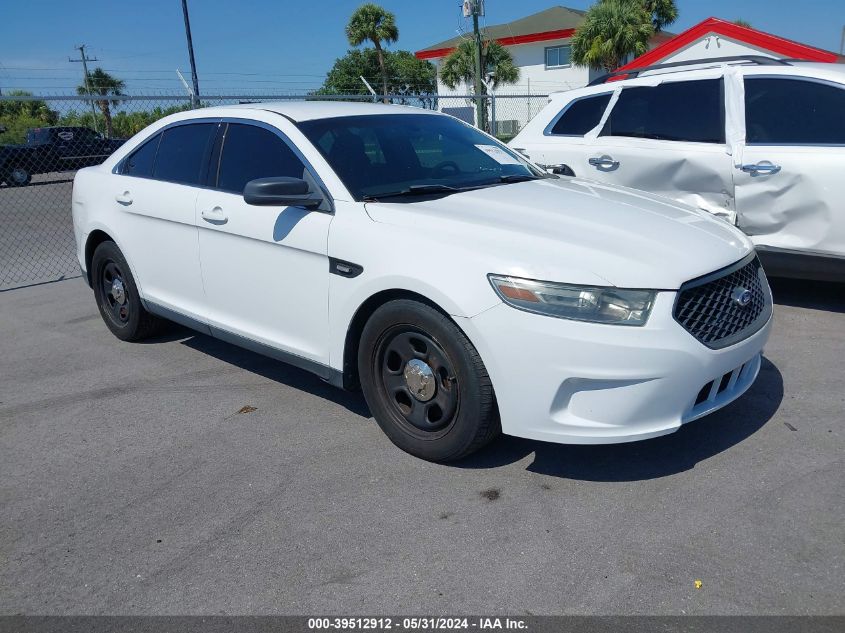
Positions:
(425, 383)
(117, 295)
(18, 177)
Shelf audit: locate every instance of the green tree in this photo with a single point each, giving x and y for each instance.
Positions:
(372, 23)
(407, 75)
(496, 60)
(18, 116)
(662, 12)
(107, 87)
(741, 22)
(124, 124)
(612, 30)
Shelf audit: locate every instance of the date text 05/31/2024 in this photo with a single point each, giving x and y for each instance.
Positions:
(417, 623)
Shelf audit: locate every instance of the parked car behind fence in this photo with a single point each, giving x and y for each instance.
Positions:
(53, 149)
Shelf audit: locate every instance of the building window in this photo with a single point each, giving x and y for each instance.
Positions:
(558, 56)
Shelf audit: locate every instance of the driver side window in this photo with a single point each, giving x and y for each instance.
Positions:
(251, 152)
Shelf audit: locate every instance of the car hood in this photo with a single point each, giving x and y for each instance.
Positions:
(573, 230)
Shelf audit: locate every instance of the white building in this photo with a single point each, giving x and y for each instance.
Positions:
(540, 46)
(719, 38)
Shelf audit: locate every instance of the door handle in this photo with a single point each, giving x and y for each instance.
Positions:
(763, 167)
(214, 216)
(604, 162)
(124, 198)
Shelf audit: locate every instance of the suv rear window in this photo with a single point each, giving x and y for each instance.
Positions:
(38, 136)
(183, 153)
(692, 111)
(793, 111)
(581, 116)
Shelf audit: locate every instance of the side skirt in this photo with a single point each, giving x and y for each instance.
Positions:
(779, 262)
(329, 374)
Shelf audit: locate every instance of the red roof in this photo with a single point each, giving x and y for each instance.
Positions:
(758, 39)
(545, 36)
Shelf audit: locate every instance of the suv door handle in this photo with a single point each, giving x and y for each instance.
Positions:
(763, 167)
(604, 162)
(214, 216)
(124, 198)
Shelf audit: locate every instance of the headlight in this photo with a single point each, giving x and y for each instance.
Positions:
(580, 303)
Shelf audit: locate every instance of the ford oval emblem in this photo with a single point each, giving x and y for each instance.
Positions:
(741, 296)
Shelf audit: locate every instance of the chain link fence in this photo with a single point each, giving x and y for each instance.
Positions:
(45, 139)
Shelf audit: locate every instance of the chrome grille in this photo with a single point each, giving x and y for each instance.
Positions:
(714, 309)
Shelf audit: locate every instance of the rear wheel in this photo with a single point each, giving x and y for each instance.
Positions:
(425, 382)
(18, 177)
(117, 295)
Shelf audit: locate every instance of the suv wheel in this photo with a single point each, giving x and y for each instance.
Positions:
(18, 177)
(117, 295)
(425, 383)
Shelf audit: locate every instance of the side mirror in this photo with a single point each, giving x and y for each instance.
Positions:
(560, 170)
(281, 191)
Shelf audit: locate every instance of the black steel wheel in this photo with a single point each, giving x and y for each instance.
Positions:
(117, 295)
(425, 382)
(114, 293)
(418, 379)
(18, 176)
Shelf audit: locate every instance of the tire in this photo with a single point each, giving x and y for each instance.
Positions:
(117, 296)
(425, 383)
(18, 176)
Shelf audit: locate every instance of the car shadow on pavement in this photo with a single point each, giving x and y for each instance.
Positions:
(634, 461)
(648, 459)
(269, 368)
(815, 295)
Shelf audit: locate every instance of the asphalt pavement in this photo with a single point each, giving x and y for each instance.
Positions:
(36, 239)
(187, 476)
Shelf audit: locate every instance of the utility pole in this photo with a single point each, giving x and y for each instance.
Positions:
(85, 59)
(196, 96)
(480, 110)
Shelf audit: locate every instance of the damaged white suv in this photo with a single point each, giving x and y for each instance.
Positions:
(756, 140)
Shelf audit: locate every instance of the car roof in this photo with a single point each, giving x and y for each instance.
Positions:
(704, 69)
(310, 110)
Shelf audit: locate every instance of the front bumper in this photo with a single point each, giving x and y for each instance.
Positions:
(582, 383)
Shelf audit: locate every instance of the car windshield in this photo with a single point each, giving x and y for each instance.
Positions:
(413, 154)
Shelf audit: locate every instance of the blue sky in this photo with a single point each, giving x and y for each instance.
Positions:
(282, 46)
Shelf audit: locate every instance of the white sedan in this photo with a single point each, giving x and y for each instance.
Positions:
(466, 291)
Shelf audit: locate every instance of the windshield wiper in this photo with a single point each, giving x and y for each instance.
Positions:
(519, 177)
(413, 190)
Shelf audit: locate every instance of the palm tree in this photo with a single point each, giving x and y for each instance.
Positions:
(612, 30)
(101, 84)
(372, 23)
(459, 66)
(663, 12)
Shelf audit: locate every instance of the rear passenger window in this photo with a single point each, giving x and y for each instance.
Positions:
(182, 153)
(140, 162)
(678, 111)
(793, 111)
(251, 152)
(581, 116)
